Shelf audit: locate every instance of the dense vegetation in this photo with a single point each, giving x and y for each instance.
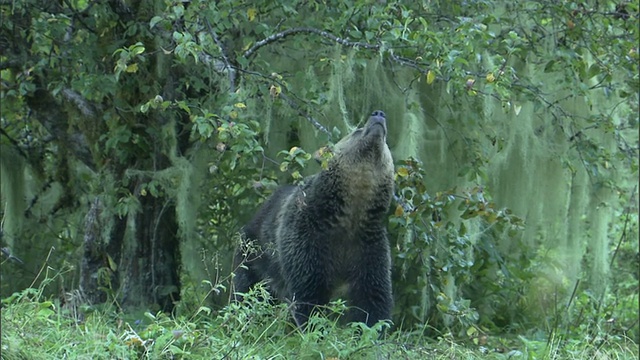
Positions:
(138, 136)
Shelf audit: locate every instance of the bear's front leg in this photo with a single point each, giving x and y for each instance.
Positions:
(370, 292)
(304, 268)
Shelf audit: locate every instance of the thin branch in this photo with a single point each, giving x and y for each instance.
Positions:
(227, 63)
(290, 101)
(300, 30)
(624, 230)
(304, 114)
(121, 9)
(407, 62)
(76, 15)
(86, 108)
(54, 119)
(14, 142)
(7, 253)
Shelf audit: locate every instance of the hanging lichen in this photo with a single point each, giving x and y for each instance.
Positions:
(525, 160)
(13, 194)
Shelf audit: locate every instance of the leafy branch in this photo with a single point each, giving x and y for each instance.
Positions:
(50, 114)
(290, 101)
(87, 109)
(301, 30)
(15, 144)
(227, 64)
(10, 64)
(304, 114)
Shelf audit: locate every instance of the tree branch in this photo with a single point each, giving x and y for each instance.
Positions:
(10, 64)
(86, 108)
(121, 9)
(281, 35)
(227, 64)
(14, 143)
(407, 62)
(270, 80)
(54, 119)
(302, 113)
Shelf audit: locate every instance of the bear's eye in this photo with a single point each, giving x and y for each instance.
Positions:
(357, 132)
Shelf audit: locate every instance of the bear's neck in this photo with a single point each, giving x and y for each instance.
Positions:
(359, 192)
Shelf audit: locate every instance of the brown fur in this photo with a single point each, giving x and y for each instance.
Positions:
(329, 232)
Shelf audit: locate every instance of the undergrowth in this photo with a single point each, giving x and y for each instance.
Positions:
(34, 327)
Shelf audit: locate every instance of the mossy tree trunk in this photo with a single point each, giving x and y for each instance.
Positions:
(130, 241)
(150, 257)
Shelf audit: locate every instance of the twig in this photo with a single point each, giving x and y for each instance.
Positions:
(76, 15)
(7, 253)
(573, 294)
(407, 62)
(227, 63)
(624, 230)
(302, 113)
(281, 35)
(289, 101)
(14, 143)
(45, 265)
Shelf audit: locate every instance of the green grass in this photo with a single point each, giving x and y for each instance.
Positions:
(33, 328)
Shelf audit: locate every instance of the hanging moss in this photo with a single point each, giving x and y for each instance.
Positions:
(526, 159)
(13, 194)
(576, 224)
(600, 216)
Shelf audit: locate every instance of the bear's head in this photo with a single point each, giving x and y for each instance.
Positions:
(363, 167)
(366, 146)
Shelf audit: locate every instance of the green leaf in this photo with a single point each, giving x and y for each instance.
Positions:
(463, 229)
(355, 34)
(549, 66)
(137, 49)
(594, 70)
(154, 21)
(178, 10)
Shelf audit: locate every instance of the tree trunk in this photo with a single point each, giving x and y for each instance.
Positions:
(150, 256)
(141, 251)
(94, 257)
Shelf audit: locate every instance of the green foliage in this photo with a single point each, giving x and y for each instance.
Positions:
(239, 154)
(441, 243)
(34, 327)
(43, 329)
(611, 315)
(295, 160)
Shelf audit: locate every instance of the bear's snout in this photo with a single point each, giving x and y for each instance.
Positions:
(377, 120)
(378, 113)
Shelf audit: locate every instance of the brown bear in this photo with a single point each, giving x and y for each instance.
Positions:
(328, 232)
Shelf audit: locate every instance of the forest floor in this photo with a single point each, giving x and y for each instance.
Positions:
(33, 328)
